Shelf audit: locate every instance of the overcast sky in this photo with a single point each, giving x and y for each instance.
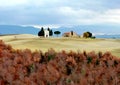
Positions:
(59, 12)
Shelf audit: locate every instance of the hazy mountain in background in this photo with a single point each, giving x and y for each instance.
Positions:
(95, 29)
(15, 29)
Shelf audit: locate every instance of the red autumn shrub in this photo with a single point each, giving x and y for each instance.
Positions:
(23, 67)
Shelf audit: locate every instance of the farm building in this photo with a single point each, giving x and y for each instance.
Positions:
(70, 34)
(46, 33)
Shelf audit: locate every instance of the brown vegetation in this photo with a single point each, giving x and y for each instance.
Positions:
(23, 67)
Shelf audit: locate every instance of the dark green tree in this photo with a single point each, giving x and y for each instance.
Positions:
(90, 34)
(50, 31)
(41, 32)
(57, 33)
(87, 35)
(72, 33)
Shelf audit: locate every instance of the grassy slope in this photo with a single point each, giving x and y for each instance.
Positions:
(75, 44)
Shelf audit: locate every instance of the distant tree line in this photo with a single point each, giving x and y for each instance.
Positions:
(42, 33)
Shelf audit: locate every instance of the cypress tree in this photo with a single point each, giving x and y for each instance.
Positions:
(41, 32)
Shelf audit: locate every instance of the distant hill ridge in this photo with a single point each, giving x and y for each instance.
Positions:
(95, 29)
(16, 29)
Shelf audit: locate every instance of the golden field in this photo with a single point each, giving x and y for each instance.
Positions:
(33, 42)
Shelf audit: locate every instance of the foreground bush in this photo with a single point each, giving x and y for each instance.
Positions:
(23, 67)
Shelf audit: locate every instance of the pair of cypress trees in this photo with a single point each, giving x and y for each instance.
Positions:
(41, 32)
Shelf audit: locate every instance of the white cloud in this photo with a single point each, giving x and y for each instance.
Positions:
(29, 3)
(84, 16)
(9, 3)
(75, 12)
(46, 26)
(58, 12)
(109, 16)
(77, 16)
